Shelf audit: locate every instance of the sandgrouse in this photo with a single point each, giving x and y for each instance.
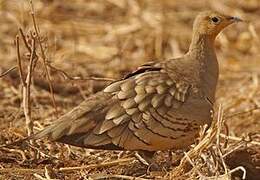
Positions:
(160, 106)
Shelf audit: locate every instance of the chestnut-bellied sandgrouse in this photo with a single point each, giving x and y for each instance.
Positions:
(160, 106)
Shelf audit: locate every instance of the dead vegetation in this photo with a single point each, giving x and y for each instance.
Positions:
(70, 49)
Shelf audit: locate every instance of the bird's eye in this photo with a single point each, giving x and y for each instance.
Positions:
(216, 20)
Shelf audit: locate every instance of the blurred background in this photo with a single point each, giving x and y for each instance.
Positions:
(110, 38)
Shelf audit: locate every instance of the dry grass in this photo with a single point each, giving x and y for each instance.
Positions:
(79, 43)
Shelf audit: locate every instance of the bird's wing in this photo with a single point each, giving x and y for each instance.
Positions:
(127, 114)
(143, 100)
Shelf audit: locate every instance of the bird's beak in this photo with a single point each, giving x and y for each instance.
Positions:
(233, 19)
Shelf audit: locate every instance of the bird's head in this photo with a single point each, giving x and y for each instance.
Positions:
(210, 23)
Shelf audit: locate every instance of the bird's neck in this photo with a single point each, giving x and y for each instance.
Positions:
(202, 50)
(202, 43)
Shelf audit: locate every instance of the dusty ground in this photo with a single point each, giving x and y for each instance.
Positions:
(109, 38)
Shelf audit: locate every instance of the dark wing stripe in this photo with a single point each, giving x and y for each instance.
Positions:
(158, 133)
(171, 119)
(142, 70)
(171, 128)
(177, 120)
(134, 133)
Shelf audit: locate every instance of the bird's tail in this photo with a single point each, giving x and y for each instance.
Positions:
(84, 115)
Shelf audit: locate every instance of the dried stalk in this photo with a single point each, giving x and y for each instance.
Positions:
(27, 92)
(24, 40)
(66, 76)
(26, 83)
(117, 176)
(91, 166)
(19, 62)
(7, 71)
(43, 57)
(239, 139)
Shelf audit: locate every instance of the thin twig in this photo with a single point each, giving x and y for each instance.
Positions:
(27, 92)
(66, 76)
(42, 178)
(26, 84)
(239, 139)
(21, 170)
(220, 124)
(91, 166)
(242, 112)
(43, 57)
(193, 165)
(141, 159)
(117, 176)
(239, 168)
(8, 71)
(236, 147)
(24, 40)
(19, 61)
